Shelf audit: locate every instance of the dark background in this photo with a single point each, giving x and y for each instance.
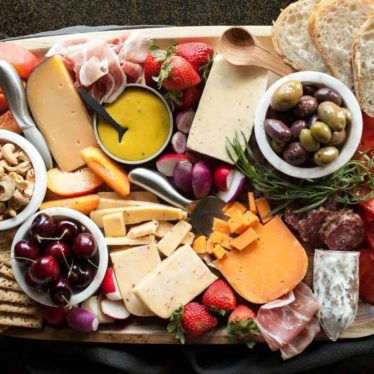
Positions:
(22, 17)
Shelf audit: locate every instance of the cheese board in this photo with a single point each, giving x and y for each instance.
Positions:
(233, 215)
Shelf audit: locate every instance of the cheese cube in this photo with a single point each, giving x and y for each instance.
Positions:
(163, 228)
(219, 251)
(199, 244)
(174, 282)
(130, 266)
(170, 242)
(114, 225)
(188, 239)
(245, 239)
(148, 228)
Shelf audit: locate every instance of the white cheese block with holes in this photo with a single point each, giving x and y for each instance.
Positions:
(176, 281)
(227, 107)
(130, 266)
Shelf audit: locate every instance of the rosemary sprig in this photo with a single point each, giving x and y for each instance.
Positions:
(350, 185)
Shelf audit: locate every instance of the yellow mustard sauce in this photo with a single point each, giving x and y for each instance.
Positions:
(147, 120)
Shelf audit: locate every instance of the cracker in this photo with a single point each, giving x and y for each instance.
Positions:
(19, 320)
(8, 296)
(5, 259)
(19, 309)
(6, 271)
(9, 284)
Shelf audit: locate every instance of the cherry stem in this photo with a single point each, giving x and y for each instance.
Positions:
(93, 264)
(68, 305)
(23, 258)
(63, 255)
(70, 268)
(40, 238)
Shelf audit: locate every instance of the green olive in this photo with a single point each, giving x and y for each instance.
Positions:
(348, 116)
(276, 146)
(325, 155)
(321, 132)
(338, 138)
(332, 115)
(307, 141)
(287, 95)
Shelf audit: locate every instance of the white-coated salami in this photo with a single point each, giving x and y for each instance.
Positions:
(335, 283)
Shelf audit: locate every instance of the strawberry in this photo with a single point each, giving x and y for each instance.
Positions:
(153, 62)
(219, 297)
(242, 324)
(177, 74)
(197, 54)
(186, 99)
(193, 320)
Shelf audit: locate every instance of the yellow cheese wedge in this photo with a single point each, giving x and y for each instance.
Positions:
(114, 225)
(106, 203)
(134, 195)
(170, 242)
(148, 228)
(59, 113)
(130, 266)
(124, 240)
(176, 281)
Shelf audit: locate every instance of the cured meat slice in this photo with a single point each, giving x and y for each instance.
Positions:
(335, 284)
(283, 319)
(298, 344)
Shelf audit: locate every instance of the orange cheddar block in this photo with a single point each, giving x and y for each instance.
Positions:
(221, 226)
(220, 238)
(219, 251)
(252, 203)
(245, 239)
(200, 244)
(269, 267)
(264, 210)
(234, 209)
(240, 222)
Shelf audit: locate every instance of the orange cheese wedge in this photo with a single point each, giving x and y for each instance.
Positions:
(269, 267)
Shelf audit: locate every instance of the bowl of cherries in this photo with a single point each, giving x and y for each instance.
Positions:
(59, 257)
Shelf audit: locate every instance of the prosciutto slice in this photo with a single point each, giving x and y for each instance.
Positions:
(104, 67)
(283, 319)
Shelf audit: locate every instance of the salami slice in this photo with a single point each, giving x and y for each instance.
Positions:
(335, 283)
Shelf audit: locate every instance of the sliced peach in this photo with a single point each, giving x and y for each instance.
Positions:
(8, 122)
(84, 204)
(70, 184)
(108, 170)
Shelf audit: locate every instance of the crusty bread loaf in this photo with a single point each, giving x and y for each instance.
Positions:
(363, 66)
(333, 25)
(291, 38)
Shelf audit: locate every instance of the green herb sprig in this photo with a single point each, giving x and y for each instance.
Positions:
(351, 184)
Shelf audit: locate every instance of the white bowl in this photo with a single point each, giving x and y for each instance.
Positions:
(101, 255)
(40, 178)
(353, 135)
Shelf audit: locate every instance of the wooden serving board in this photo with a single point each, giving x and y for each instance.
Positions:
(152, 330)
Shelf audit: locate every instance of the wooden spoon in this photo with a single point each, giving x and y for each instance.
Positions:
(239, 47)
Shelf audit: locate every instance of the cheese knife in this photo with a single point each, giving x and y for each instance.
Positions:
(12, 86)
(201, 211)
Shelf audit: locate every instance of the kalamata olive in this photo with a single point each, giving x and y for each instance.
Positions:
(328, 94)
(325, 155)
(312, 119)
(307, 141)
(276, 147)
(348, 116)
(338, 138)
(321, 132)
(295, 154)
(309, 89)
(277, 130)
(306, 107)
(296, 128)
(287, 95)
(286, 117)
(332, 115)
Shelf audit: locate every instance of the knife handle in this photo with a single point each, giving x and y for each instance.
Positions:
(159, 185)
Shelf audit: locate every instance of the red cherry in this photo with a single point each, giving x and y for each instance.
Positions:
(26, 249)
(84, 245)
(54, 316)
(43, 226)
(67, 228)
(30, 282)
(59, 250)
(44, 270)
(60, 291)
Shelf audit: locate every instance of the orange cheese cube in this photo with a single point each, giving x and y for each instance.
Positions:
(209, 246)
(220, 238)
(245, 239)
(221, 226)
(199, 244)
(264, 210)
(227, 207)
(240, 222)
(234, 209)
(219, 251)
(252, 203)
(257, 226)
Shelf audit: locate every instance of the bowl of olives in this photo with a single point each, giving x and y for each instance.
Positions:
(59, 257)
(308, 124)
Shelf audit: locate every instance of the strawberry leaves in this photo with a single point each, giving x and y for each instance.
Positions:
(175, 325)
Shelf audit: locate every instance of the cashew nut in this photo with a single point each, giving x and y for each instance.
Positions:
(23, 167)
(22, 155)
(6, 190)
(29, 190)
(8, 153)
(30, 175)
(19, 199)
(11, 210)
(6, 166)
(18, 180)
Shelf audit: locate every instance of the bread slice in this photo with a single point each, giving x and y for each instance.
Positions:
(291, 38)
(363, 66)
(333, 25)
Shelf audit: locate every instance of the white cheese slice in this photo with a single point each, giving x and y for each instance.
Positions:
(188, 239)
(174, 282)
(130, 266)
(171, 241)
(163, 228)
(133, 195)
(106, 203)
(227, 107)
(124, 240)
(148, 228)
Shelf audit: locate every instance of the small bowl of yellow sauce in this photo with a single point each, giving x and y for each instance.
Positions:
(149, 122)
